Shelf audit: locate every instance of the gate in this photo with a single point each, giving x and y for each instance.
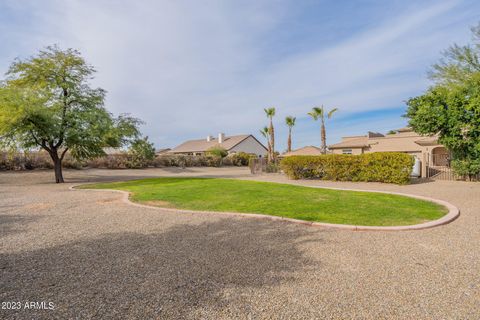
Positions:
(258, 165)
(439, 168)
(261, 165)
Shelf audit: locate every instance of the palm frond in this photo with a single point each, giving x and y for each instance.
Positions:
(331, 112)
(270, 112)
(290, 121)
(320, 110)
(264, 131)
(314, 115)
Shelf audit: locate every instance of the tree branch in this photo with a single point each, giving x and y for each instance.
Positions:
(41, 144)
(64, 121)
(63, 153)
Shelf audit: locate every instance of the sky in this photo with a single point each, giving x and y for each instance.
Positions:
(195, 68)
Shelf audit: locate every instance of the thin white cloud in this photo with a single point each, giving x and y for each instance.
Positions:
(191, 68)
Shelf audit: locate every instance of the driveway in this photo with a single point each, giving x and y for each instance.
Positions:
(93, 256)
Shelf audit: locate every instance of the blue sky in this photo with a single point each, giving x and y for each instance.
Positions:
(194, 68)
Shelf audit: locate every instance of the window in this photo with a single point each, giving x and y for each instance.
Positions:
(347, 151)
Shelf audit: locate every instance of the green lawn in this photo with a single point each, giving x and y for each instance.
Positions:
(311, 204)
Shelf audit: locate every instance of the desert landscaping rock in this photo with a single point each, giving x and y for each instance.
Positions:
(94, 256)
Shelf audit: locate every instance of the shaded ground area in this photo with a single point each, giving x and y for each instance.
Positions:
(96, 257)
(188, 270)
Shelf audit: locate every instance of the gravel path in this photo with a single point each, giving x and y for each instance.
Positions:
(96, 257)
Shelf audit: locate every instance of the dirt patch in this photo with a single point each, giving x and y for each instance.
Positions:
(107, 201)
(39, 206)
(159, 203)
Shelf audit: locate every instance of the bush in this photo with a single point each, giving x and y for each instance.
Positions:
(217, 151)
(467, 168)
(180, 160)
(238, 159)
(110, 161)
(30, 160)
(140, 154)
(125, 160)
(390, 167)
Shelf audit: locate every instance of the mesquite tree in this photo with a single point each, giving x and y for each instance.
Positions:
(451, 107)
(46, 102)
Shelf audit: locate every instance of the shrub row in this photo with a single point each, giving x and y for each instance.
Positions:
(389, 167)
(33, 160)
(41, 160)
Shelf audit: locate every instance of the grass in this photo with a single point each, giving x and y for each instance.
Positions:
(311, 204)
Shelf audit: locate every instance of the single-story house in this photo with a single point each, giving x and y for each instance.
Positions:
(425, 148)
(304, 151)
(162, 151)
(239, 143)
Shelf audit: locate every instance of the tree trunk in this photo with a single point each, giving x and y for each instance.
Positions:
(272, 141)
(289, 142)
(57, 162)
(324, 139)
(269, 152)
(58, 172)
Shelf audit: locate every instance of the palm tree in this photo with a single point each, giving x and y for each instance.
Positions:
(290, 122)
(270, 112)
(319, 113)
(264, 132)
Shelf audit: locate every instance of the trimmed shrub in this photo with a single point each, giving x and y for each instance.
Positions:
(389, 167)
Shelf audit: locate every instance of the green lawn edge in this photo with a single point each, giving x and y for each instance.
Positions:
(279, 199)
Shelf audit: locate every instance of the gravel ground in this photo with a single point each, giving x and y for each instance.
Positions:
(94, 256)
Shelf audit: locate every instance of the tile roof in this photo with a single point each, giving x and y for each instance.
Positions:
(351, 143)
(305, 151)
(202, 145)
(428, 141)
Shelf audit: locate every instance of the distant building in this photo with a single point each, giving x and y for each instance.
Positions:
(304, 151)
(162, 151)
(239, 143)
(426, 149)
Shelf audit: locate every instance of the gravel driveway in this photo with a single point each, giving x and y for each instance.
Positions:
(94, 256)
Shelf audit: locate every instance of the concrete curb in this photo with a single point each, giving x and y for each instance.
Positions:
(453, 212)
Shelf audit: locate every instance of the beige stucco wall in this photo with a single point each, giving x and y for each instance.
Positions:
(250, 145)
(400, 142)
(355, 151)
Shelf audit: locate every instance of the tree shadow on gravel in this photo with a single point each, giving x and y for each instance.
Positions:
(188, 271)
(98, 178)
(10, 223)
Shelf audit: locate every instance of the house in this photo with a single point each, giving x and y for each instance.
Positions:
(239, 143)
(304, 151)
(425, 148)
(162, 151)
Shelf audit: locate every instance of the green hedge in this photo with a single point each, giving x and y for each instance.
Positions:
(390, 167)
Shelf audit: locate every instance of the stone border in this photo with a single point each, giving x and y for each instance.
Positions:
(453, 212)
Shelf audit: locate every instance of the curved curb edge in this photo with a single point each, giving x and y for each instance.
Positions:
(453, 212)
